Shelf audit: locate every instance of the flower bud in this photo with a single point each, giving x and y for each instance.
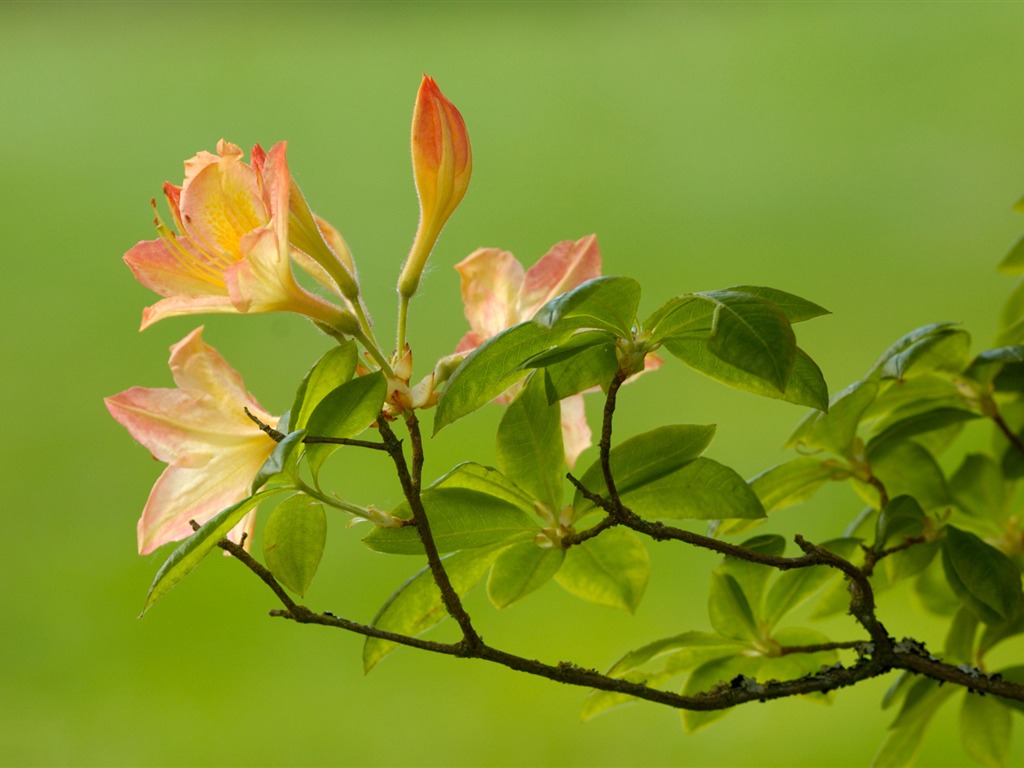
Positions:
(442, 162)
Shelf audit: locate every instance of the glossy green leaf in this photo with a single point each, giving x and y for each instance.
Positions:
(901, 518)
(707, 676)
(529, 448)
(344, 412)
(986, 730)
(521, 569)
(293, 541)
(690, 315)
(938, 346)
(836, 430)
(804, 386)
(611, 570)
(189, 553)
(460, 518)
(794, 481)
(416, 606)
(918, 424)
(795, 308)
(569, 349)
(729, 610)
(281, 464)
(492, 368)
(487, 480)
(701, 490)
(978, 487)
(645, 458)
(594, 366)
(332, 370)
(903, 742)
(603, 302)
(752, 335)
(986, 580)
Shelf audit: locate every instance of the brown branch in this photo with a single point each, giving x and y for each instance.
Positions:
(1008, 433)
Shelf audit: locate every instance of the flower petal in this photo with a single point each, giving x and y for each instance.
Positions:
(567, 265)
(576, 434)
(491, 281)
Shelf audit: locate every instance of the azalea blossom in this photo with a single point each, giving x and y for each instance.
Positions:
(442, 163)
(497, 293)
(213, 450)
(233, 251)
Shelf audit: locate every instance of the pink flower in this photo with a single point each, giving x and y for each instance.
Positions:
(213, 450)
(232, 251)
(498, 292)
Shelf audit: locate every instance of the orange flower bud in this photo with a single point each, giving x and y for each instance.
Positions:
(442, 162)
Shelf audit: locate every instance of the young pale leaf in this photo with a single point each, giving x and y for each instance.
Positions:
(701, 490)
(416, 606)
(331, 371)
(836, 430)
(986, 580)
(521, 569)
(603, 302)
(729, 610)
(282, 462)
(903, 742)
(645, 458)
(529, 449)
(1013, 262)
(487, 480)
(986, 730)
(492, 368)
(293, 541)
(710, 674)
(938, 346)
(793, 481)
(610, 569)
(344, 412)
(804, 386)
(192, 550)
(752, 335)
(460, 518)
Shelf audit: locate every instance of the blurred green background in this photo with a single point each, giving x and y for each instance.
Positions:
(862, 155)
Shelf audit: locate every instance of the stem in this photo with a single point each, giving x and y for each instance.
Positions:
(1010, 435)
(403, 317)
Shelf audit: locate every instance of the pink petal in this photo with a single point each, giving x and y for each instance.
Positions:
(576, 435)
(491, 279)
(196, 365)
(161, 268)
(176, 306)
(567, 265)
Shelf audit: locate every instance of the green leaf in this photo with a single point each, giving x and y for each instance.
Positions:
(1013, 262)
(487, 480)
(282, 462)
(978, 488)
(903, 742)
(804, 386)
(918, 424)
(986, 365)
(752, 335)
(521, 569)
(729, 610)
(796, 309)
(332, 370)
(344, 413)
(645, 458)
(460, 518)
(690, 315)
(985, 579)
(492, 368)
(680, 652)
(901, 518)
(707, 676)
(594, 366)
(793, 588)
(752, 578)
(416, 606)
(701, 490)
(610, 569)
(986, 730)
(603, 302)
(793, 481)
(938, 346)
(907, 468)
(192, 550)
(795, 665)
(293, 541)
(960, 638)
(529, 449)
(836, 430)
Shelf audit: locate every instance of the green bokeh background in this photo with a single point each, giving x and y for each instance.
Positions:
(862, 155)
